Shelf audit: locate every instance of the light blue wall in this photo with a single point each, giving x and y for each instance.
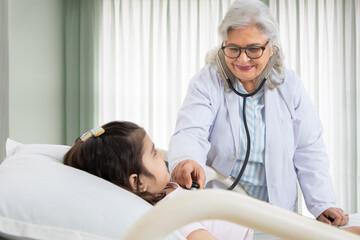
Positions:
(36, 71)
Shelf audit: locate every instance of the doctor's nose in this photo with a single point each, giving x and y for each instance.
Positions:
(243, 57)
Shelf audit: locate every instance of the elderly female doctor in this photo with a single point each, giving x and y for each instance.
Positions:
(282, 124)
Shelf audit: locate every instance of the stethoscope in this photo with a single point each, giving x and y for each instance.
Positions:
(237, 180)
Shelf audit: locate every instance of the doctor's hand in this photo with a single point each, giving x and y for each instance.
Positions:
(188, 171)
(334, 216)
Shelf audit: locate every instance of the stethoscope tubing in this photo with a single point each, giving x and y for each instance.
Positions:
(247, 155)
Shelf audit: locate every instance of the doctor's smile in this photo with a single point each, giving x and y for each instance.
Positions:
(244, 68)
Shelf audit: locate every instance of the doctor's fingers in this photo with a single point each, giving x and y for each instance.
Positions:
(187, 172)
(198, 176)
(340, 218)
(323, 219)
(337, 216)
(343, 218)
(182, 174)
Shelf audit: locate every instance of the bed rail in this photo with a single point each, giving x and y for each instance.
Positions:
(231, 206)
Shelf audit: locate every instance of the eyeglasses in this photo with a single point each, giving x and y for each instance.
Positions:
(253, 52)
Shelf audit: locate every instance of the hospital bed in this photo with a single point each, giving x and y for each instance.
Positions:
(40, 198)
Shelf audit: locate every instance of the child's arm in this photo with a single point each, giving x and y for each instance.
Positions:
(200, 234)
(355, 230)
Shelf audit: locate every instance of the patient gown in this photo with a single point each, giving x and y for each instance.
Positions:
(220, 229)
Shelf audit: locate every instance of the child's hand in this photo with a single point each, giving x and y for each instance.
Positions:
(355, 230)
(200, 234)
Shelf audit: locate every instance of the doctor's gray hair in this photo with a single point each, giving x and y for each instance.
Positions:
(244, 13)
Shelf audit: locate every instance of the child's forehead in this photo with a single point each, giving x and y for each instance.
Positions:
(148, 143)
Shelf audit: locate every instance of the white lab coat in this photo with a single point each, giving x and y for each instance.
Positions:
(207, 132)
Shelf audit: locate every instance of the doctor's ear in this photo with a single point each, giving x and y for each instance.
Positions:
(136, 184)
(272, 51)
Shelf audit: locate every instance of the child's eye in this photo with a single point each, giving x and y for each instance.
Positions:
(155, 152)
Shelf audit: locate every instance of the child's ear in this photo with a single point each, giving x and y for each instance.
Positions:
(134, 180)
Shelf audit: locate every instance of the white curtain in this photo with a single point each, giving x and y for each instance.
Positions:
(4, 77)
(149, 52)
(321, 41)
(150, 49)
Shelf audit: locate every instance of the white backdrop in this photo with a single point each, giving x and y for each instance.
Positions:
(151, 49)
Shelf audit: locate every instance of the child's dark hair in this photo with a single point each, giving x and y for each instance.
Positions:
(113, 156)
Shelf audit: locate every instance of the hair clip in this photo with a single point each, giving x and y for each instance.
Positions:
(97, 131)
(86, 136)
(93, 132)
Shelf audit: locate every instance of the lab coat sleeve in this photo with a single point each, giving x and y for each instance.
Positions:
(310, 158)
(195, 118)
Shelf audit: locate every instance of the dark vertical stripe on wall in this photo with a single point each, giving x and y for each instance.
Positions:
(88, 52)
(81, 66)
(266, 2)
(72, 92)
(4, 77)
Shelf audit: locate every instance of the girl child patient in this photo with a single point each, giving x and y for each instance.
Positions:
(123, 154)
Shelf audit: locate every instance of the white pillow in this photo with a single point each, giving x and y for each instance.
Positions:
(41, 198)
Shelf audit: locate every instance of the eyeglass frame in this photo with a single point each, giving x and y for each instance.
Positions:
(261, 47)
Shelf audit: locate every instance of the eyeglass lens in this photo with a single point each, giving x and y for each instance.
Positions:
(251, 52)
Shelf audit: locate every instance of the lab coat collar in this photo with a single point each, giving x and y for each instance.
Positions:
(233, 109)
